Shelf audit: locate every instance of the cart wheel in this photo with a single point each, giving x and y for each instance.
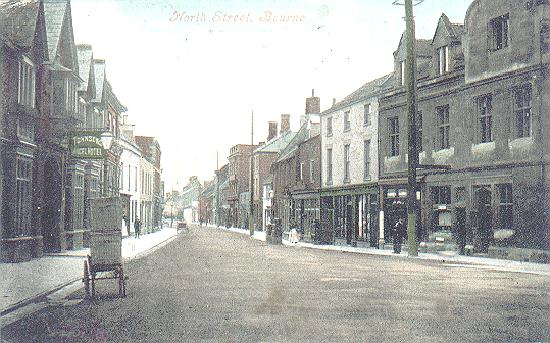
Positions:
(86, 279)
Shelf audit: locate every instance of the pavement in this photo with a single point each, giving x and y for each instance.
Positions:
(442, 256)
(23, 283)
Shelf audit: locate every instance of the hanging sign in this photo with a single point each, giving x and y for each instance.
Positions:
(87, 145)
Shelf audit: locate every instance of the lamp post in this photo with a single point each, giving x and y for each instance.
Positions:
(106, 140)
(410, 65)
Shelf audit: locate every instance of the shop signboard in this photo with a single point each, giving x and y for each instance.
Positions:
(86, 145)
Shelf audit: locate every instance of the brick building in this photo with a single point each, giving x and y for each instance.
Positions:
(264, 156)
(239, 184)
(482, 110)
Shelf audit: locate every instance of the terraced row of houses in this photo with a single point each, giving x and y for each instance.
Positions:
(483, 112)
(64, 136)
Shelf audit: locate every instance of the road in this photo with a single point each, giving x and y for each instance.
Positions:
(211, 285)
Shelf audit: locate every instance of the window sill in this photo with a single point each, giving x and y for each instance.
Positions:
(329, 183)
(329, 134)
(347, 130)
(346, 181)
(367, 124)
(367, 178)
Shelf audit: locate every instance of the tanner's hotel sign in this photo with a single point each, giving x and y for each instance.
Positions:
(86, 145)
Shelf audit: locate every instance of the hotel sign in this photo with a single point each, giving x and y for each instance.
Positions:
(86, 145)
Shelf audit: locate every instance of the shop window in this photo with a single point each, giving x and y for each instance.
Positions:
(441, 195)
(78, 201)
(522, 109)
(505, 207)
(24, 196)
(444, 127)
(484, 113)
(393, 124)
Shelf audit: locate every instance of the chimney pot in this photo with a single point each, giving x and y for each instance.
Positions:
(285, 123)
(333, 101)
(272, 130)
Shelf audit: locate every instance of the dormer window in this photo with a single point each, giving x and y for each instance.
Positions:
(27, 80)
(443, 59)
(498, 32)
(402, 73)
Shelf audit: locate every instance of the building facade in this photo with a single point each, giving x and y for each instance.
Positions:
(239, 183)
(483, 113)
(349, 189)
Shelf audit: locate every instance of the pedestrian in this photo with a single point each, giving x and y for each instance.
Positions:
(137, 227)
(398, 235)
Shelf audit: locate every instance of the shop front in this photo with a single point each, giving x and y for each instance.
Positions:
(351, 215)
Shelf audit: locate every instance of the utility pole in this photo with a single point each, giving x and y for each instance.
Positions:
(413, 153)
(410, 65)
(251, 210)
(217, 192)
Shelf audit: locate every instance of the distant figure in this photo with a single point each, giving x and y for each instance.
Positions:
(137, 227)
(398, 235)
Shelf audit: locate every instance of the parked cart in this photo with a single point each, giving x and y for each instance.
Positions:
(105, 259)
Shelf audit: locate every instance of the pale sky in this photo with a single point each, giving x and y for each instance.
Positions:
(193, 84)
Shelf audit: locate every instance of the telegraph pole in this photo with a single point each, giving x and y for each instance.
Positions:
(412, 146)
(251, 210)
(410, 65)
(217, 192)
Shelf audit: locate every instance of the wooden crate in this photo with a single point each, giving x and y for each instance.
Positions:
(106, 214)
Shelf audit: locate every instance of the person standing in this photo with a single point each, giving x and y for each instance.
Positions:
(137, 227)
(398, 235)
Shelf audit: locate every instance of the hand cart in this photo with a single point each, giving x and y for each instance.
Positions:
(105, 259)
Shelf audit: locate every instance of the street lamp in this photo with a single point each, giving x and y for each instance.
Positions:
(411, 110)
(106, 140)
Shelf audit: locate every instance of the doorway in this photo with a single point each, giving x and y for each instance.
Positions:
(52, 207)
(484, 218)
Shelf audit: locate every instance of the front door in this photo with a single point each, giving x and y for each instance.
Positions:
(52, 207)
(484, 225)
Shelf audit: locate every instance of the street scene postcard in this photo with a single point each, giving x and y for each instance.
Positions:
(274, 171)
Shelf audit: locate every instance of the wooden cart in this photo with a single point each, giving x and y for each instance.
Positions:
(105, 259)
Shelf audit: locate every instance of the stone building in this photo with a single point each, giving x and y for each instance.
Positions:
(151, 154)
(23, 51)
(349, 190)
(190, 200)
(482, 111)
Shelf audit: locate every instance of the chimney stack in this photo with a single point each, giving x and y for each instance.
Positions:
(272, 133)
(313, 104)
(285, 123)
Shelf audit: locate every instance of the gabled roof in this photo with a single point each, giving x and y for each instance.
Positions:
(99, 73)
(454, 31)
(423, 47)
(369, 89)
(54, 11)
(85, 58)
(276, 144)
(18, 20)
(301, 136)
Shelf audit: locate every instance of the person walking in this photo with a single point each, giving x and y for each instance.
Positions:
(137, 227)
(398, 235)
